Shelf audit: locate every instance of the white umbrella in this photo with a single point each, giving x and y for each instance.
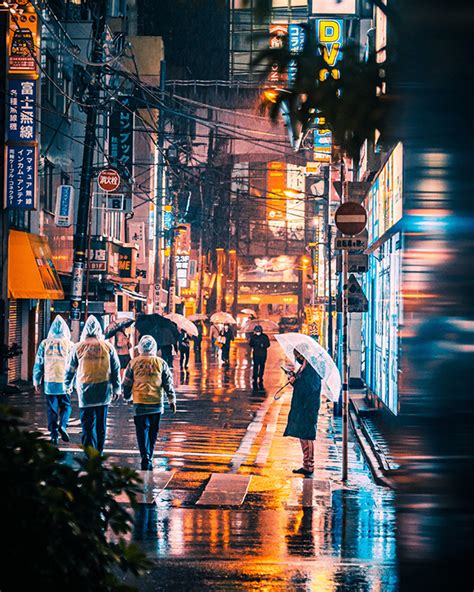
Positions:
(247, 311)
(223, 317)
(266, 325)
(317, 356)
(199, 316)
(183, 323)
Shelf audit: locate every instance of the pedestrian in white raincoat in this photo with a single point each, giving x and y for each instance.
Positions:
(49, 369)
(95, 365)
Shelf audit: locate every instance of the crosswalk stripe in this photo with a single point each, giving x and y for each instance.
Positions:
(134, 452)
(225, 489)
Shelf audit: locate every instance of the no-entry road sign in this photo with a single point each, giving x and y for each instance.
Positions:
(108, 180)
(351, 218)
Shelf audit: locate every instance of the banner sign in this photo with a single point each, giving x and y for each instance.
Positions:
(23, 46)
(182, 265)
(296, 39)
(21, 166)
(121, 134)
(64, 213)
(21, 125)
(329, 37)
(278, 33)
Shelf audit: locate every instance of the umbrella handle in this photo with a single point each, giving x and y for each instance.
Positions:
(279, 391)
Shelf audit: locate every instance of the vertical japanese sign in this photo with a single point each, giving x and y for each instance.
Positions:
(276, 184)
(278, 33)
(64, 213)
(21, 167)
(121, 134)
(21, 110)
(296, 39)
(329, 37)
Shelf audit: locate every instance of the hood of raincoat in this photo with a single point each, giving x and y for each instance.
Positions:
(147, 345)
(59, 329)
(92, 328)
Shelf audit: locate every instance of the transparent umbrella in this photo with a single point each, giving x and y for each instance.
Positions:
(317, 356)
(183, 323)
(199, 316)
(223, 317)
(266, 325)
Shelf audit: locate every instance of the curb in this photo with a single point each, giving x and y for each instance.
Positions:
(372, 461)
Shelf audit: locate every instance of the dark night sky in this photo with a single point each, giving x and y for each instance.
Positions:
(195, 34)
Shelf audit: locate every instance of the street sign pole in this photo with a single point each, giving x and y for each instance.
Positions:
(345, 366)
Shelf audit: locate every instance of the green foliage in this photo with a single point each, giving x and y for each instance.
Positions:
(62, 526)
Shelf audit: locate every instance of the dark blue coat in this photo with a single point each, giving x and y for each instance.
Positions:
(303, 416)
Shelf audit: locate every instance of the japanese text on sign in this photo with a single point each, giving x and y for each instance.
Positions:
(23, 44)
(121, 134)
(21, 113)
(21, 177)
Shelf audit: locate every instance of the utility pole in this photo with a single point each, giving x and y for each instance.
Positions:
(160, 188)
(85, 189)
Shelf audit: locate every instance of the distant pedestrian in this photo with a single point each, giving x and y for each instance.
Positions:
(49, 369)
(197, 341)
(303, 416)
(226, 336)
(94, 364)
(122, 344)
(167, 354)
(259, 344)
(184, 347)
(214, 334)
(147, 378)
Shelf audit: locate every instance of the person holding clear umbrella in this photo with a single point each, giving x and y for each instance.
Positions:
(303, 416)
(49, 369)
(95, 366)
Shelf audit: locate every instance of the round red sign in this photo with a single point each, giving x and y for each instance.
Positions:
(351, 218)
(108, 180)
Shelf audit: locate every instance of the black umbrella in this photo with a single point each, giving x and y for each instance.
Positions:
(118, 327)
(162, 329)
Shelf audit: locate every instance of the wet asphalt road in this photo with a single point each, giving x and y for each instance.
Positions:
(288, 533)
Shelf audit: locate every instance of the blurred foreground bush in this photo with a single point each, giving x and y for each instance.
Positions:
(61, 526)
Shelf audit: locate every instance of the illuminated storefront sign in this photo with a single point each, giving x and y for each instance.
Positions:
(296, 39)
(384, 201)
(121, 134)
(276, 184)
(182, 266)
(329, 37)
(23, 44)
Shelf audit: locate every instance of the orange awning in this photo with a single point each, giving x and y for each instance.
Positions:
(31, 272)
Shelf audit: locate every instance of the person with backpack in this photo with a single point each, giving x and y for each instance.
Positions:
(49, 369)
(147, 378)
(95, 366)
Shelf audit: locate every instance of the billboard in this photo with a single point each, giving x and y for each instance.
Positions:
(384, 202)
(282, 269)
(23, 44)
